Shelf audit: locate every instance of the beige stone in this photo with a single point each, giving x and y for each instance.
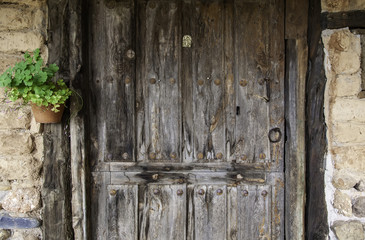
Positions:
(22, 200)
(347, 85)
(27, 234)
(13, 42)
(344, 51)
(342, 202)
(14, 116)
(347, 133)
(7, 61)
(346, 179)
(352, 157)
(342, 5)
(15, 143)
(345, 109)
(352, 230)
(15, 18)
(16, 168)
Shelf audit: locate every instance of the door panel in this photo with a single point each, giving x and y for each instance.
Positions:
(186, 141)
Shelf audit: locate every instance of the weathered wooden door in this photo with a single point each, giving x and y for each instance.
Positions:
(186, 119)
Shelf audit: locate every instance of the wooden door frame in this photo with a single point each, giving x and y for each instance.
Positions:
(66, 173)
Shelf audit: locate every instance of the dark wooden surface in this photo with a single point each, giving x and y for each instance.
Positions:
(174, 118)
(316, 212)
(56, 191)
(351, 19)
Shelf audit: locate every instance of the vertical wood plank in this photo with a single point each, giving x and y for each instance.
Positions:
(210, 212)
(159, 83)
(98, 205)
(232, 208)
(113, 79)
(164, 212)
(208, 86)
(254, 212)
(123, 212)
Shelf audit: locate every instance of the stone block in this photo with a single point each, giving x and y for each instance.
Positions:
(22, 200)
(347, 133)
(342, 5)
(344, 50)
(14, 116)
(28, 234)
(15, 18)
(7, 61)
(358, 207)
(8, 222)
(351, 158)
(345, 109)
(345, 179)
(347, 85)
(15, 143)
(342, 202)
(12, 42)
(20, 168)
(4, 234)
(351, 230)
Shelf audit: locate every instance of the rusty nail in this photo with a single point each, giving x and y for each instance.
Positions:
(110, 156)
(113, 192)
(156, 191)
(130, 54)
(262, 156)
(153, 80)
(172, 80)
(262, 81)
(219, 155)
(200, 156)
(152, 156)
(155, 176)
(179, 192)
(125, 156)
(245, 193)
(173, 155)
(244, 157)
(200, 82)
(264, 193)
(217, 82)
(243, 83)
(219, 192)
(201, 191)
(127, 80)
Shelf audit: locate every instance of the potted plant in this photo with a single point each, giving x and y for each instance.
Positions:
(31, 81)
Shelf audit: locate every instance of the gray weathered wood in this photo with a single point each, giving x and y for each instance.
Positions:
(164, 212)
(158, 83)
(209, 212)
(122, 212)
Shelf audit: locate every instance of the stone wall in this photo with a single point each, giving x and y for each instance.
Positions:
(22, 28)
(345, 120)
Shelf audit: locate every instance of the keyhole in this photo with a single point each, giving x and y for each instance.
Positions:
(238, 110)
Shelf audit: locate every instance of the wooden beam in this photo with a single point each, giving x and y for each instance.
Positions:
(351, 19)
(296, 19)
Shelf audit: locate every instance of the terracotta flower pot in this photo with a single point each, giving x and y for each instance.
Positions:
(46, 115)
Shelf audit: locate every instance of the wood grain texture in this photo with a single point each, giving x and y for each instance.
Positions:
(158, 83)
(164, 212)
(112, 86)
(122, 212)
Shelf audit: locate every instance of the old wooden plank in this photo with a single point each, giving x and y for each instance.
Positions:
(231, 109)
(232, 207)
(252, 71)
(351, 19)
(254, 212)
(98, 205)
(296, 19)
(209, 211)
(164, 212)
(159, 83)
(187, 57)
(112, 80)
(295, 146)
(276, 180)
(122, 212)
(208, 81)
